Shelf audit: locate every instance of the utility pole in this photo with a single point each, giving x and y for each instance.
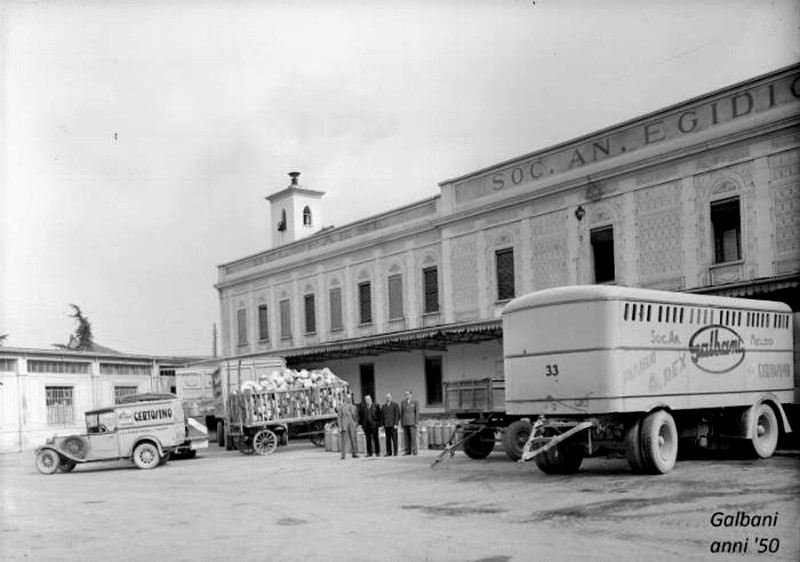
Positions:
(214, 340)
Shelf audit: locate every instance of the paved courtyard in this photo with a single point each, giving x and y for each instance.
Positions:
(302, 503)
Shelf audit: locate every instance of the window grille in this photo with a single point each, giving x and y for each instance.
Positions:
(59, 405)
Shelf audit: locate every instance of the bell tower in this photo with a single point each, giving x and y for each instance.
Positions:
(296, 212)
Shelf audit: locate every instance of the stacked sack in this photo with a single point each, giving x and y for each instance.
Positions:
(289, 394)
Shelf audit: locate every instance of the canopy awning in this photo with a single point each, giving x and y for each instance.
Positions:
(435, 338)
(752, 287)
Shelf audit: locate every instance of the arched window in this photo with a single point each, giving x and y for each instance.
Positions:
(282, 222)
(306, 216)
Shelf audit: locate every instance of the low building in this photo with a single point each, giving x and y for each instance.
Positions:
(702, 196)
(45, 392)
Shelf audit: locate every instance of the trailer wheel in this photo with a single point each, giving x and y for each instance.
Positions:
(47, 461)
(265, 442)
(659, 441)
(480, 445)
(514, 438)
(765, 433)
(146, 456)
(564, 458)
(221, 433)
(633, 446)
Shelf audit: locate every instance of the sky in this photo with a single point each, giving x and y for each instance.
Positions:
(139, 139)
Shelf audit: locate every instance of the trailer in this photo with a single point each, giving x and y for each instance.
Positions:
(593, 369)
(259, 421)
(253, 415)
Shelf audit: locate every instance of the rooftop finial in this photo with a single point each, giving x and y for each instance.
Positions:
(294, 176)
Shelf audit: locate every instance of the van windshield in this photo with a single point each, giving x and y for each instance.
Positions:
(102, 422)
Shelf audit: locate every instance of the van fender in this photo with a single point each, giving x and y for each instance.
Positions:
(150, 438)
(749, 421)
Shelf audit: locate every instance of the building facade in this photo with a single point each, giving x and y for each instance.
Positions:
(703, 196)
(46, 392)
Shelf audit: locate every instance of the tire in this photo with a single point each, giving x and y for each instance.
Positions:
(480, 445)
(145, 456)
(165, 459)
(765, 432)
(633, 447)
(221, 433)
(75, 446)
(564, 458)
(47, 461)
(66, 465)
(514, 438)
(659, 442)
(265, 442)
(318, 439)
(283, 438)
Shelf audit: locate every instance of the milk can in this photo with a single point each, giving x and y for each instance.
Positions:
(422, 438)
(361, 439)
(382, 439)
(437, 434)
(335, 440)
(327, 439)
(401, 440)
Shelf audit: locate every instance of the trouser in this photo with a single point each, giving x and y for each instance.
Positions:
(391, 440)
(371, 434)
(410, 438)
(345, 436)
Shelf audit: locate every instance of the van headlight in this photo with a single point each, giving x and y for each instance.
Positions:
(51, 440)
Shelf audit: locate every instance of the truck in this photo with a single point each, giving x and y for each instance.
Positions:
(601, 368)
(146, 432)
(260, 403)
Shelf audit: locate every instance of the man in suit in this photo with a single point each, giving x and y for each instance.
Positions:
(371, 421)
(390, 412)
(409, 415)
(347, 420)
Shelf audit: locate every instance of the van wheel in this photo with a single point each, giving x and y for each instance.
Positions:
(146, 456)
(765, 433)
(633, 446)
(75, 446)
(66, 465)
(47, 461)
(480, 445)
(514, 438)
(659, 442)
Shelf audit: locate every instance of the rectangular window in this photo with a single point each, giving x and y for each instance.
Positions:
(602, 240)
(58, 401)
(124, 369)
(263, 323)
(286, 319)
(58, 367)
(121, 392)
(504, 265)
(367, 376)
(336, 309)
(395, 297)
(364, 303)
(311, 314)
(726, 223)
(8, 365)
(241, 326)
(433, 381)
(430, 282)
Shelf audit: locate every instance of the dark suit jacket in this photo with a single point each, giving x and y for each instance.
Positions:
(409, 412)
(370, 416)
(390, 414)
